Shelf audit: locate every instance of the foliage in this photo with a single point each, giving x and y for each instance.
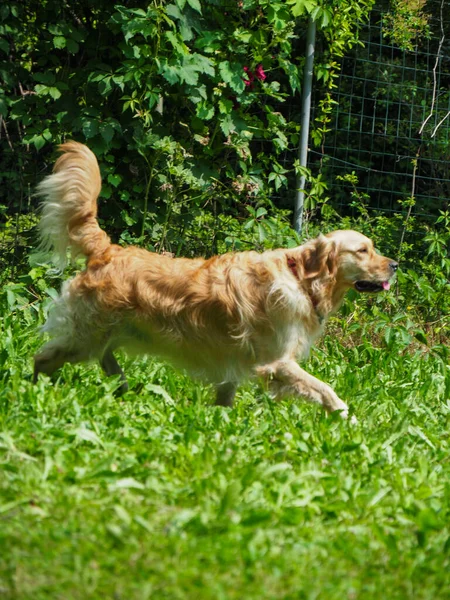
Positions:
(406, 22)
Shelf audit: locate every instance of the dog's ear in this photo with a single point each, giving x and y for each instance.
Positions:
(331, 262)
(319, 258)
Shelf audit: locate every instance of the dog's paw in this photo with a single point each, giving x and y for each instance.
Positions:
(343, 411)
(344, 415)
(340, 407)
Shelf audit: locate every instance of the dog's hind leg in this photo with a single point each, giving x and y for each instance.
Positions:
(111, 367)
(225, 393)
(286, 378)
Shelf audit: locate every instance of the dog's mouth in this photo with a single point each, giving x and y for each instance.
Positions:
(371, 286)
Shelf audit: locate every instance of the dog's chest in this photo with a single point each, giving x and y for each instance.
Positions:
(296, 339)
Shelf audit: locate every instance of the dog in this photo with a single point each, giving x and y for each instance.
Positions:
(225, 319)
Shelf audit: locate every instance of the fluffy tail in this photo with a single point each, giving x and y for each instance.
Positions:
(69, 207)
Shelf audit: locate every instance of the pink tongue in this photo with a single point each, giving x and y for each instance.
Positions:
(386, 285)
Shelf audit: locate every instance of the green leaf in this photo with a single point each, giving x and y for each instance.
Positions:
(44, 90)
(59, 41)
(227, 125)
(171, 73)
(38, 141)
(126, 483)
(327, 17)
(90, 128)
(107, 133)
(139, 12)
(54, 92)
(187, 21)
(299, 7)
(129, 220)
(225, 106)
(72, 46)
(389, 335)
(189, 74)
(232, 74)
(261, 233)
(261, 211)
(231, 497)
(198, 94)
(4, 12)
(3, 106)
(41, 90)
(195, 4)
(47, 78)
(4, 508)
(291, 71)
(114, 179)
(418, 432)
(87, 435)
(144, 523)
(177, 45)
(202, 63)
(205, 111)
(157, 389)
(378, 496)
(105, 86)
(277, 468)
(4, 46)
(420, 336)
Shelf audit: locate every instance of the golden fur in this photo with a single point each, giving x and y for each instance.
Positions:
(225, 319)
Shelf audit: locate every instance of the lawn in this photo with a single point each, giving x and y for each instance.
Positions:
(161, 495)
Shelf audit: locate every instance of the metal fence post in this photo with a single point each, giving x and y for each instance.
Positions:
(304, 124)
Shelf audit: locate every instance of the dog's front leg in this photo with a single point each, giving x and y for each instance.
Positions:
(286, 378)
(111, 367)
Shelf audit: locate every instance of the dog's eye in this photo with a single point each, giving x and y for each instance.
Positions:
(363, 250)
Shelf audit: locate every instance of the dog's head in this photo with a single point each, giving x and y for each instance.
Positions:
(357, 265)
(350, 259)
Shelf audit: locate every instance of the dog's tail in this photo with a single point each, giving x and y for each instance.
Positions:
(69, 206)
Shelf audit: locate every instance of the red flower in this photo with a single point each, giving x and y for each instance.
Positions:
(248, 82)
(259, 73)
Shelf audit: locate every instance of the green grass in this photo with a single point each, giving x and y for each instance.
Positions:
(161, 495)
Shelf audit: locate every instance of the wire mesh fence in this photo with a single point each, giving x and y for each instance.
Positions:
(391, 125)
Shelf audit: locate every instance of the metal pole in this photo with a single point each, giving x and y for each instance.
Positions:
(304, 124)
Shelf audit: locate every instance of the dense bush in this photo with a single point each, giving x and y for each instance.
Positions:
(182, 102)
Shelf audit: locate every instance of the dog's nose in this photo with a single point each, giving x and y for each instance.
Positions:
(394, 266)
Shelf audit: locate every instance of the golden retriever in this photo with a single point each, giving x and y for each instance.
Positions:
(225, 319)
